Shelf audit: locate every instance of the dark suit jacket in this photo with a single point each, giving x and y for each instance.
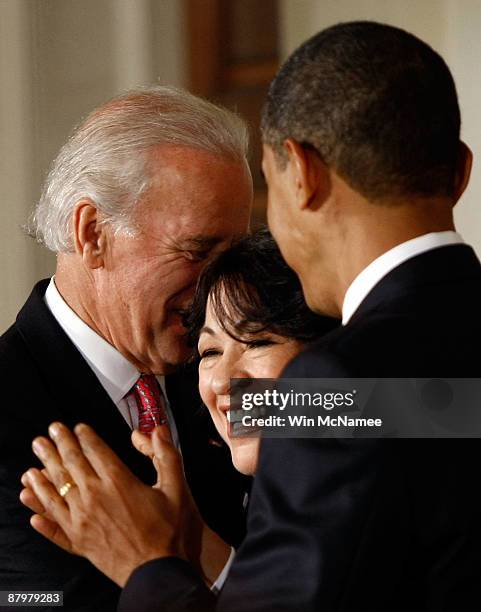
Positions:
(354, 525)
(44, 378)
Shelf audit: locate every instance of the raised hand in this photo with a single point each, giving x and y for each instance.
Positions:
(202, 546)
(95, 507)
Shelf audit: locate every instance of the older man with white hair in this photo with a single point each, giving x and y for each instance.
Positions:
(146, 190)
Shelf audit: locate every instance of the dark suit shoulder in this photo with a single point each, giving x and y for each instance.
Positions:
(12, 349)
(420, 342)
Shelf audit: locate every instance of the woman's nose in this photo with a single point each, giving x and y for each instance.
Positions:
(224, 371)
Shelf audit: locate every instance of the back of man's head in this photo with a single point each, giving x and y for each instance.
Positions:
(377, 104)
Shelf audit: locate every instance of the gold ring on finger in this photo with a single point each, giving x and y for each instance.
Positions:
(65, 488)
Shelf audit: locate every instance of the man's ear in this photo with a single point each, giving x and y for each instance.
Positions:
(309, 175)
(89, 234)
(463, 173)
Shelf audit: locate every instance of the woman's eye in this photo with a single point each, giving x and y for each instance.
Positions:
(209, 353)
(260, 343)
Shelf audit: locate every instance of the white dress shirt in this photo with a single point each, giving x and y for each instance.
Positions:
(115, 373)
(377, 269)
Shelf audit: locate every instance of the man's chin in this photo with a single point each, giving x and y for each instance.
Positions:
(174, 360)
(172, 352)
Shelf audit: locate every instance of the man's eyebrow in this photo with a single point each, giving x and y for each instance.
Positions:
(206, 330)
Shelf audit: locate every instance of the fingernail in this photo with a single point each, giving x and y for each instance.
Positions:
(37, 447)
(80, 428)
(54, 430)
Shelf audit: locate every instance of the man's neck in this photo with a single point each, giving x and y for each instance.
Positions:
(370, 276)
(77, 291)
(352, 232)
(379, 234)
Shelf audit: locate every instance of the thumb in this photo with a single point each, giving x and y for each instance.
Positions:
(168, 463)
(142, 443)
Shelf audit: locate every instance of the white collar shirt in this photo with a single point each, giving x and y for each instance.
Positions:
(115, 373)
(366, 280)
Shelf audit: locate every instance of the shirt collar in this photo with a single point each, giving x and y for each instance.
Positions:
(116, 374)
(377, 269)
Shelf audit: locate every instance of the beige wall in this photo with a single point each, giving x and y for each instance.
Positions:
(452, 27)
(58, 60)
(462, 52)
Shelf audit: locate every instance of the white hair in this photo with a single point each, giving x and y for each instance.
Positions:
(106, 159)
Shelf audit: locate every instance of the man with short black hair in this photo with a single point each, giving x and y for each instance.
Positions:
(376, 103)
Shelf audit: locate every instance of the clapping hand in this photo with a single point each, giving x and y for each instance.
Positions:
(89, 503)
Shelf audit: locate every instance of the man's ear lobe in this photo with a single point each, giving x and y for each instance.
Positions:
(463, 173)
(89, 234)
(308, 174)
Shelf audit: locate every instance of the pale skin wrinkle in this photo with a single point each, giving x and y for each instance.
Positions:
(130, 289)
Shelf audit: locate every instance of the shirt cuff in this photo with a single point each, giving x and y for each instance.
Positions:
(219, 583)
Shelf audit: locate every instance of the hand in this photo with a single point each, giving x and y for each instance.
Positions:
(29, 499)
(108, 516)
(202, 546)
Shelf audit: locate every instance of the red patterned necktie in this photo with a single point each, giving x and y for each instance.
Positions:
(150, 403)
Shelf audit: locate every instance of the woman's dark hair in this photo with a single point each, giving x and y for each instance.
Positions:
(253, 290)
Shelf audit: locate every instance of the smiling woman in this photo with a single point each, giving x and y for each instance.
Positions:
(248, 320)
